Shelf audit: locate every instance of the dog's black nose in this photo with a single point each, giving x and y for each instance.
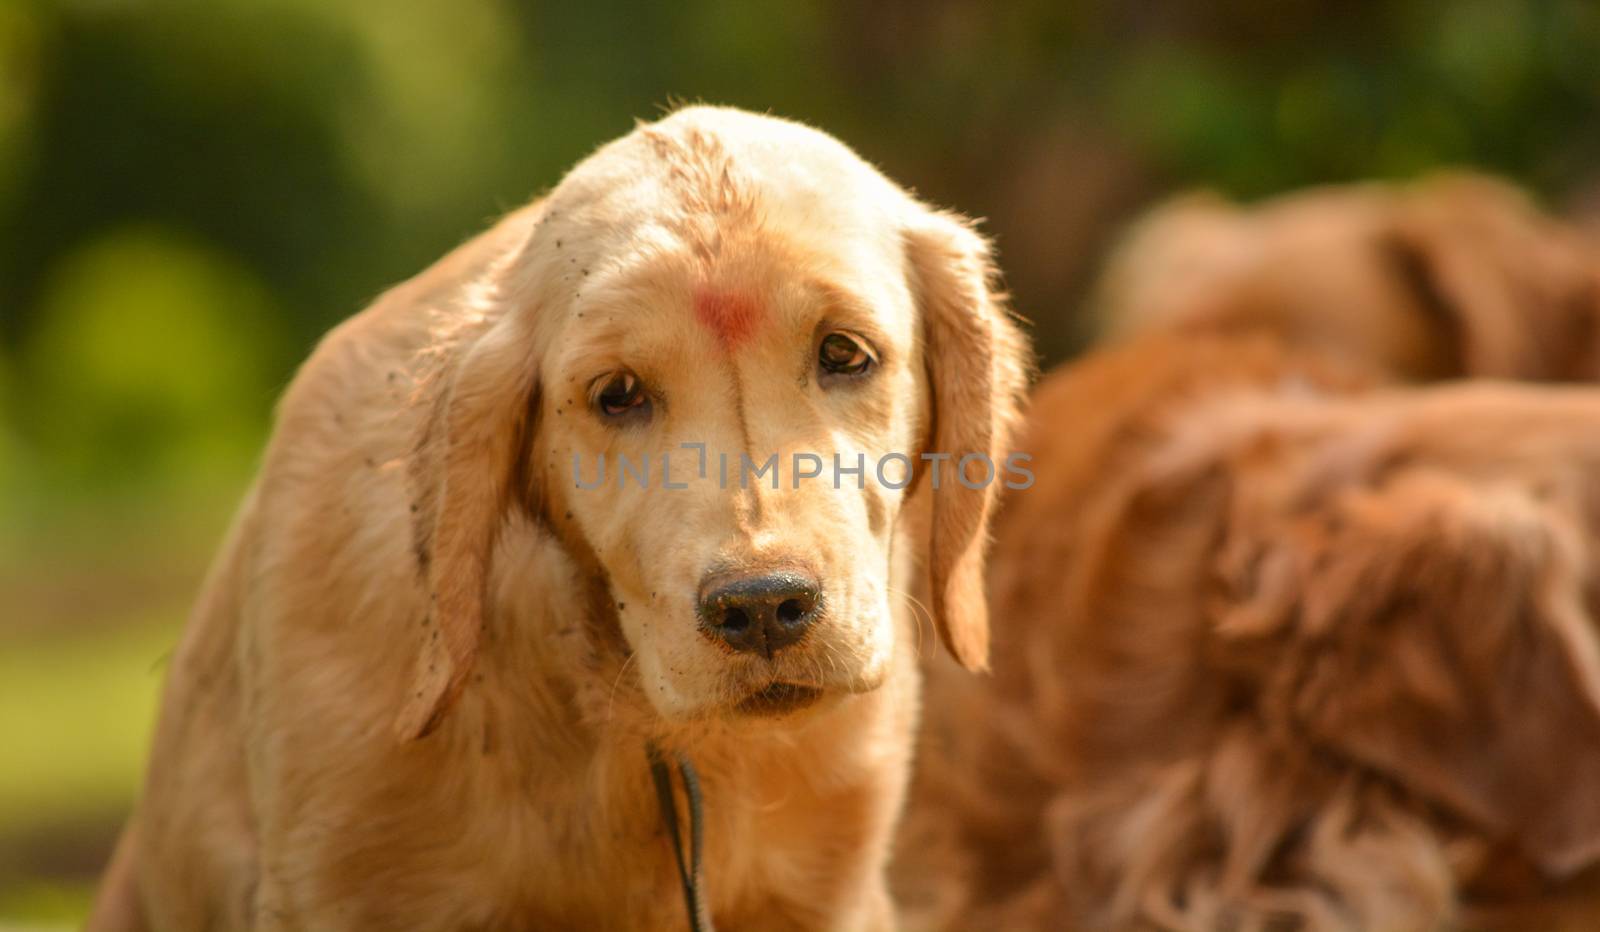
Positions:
(761, 613)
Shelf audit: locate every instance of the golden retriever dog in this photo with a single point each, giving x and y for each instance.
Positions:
(1292, 641)
(1457, 275)
(431, 670)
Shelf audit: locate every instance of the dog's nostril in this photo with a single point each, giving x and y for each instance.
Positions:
(791, 611)
(760, 613)
(735, 621)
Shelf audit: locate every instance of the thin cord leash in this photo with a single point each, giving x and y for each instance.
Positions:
(689, 870)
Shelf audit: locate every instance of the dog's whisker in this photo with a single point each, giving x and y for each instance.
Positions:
(816, 661)
(611, 700)
(918, 610)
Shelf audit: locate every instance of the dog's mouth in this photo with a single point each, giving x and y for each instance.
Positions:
(779, 699)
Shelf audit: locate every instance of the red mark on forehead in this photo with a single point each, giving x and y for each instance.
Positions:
(730, 315)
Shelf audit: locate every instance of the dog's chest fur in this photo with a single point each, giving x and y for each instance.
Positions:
(791, 835)
(533, 806)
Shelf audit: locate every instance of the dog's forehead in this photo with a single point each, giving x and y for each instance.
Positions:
(730, 224)
(730, 166)
(736, 303)
(755, 145)
(731, 314)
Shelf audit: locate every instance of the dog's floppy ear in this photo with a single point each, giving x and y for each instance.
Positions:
(977, 367)
(1511, 292)
(464, 475)
(1444, 639)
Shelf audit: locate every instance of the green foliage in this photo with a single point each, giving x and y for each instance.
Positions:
(150, 357)
(1507, 86)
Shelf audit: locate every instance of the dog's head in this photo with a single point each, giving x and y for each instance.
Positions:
(1457, 275)
(711, 372)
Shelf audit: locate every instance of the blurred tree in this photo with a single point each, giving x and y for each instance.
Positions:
(150, 357)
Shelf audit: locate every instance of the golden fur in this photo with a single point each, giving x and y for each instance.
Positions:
(1286, 640)
(418, 687)
(1458, 275)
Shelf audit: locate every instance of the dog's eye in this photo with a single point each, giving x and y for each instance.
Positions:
(843, 354)
(621, 394)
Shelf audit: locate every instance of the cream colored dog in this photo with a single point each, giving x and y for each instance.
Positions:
(418, 689)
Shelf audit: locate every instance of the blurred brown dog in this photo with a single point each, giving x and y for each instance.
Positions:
(1286, 640)
(420, 685)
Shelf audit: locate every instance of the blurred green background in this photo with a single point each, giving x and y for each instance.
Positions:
(192, 191)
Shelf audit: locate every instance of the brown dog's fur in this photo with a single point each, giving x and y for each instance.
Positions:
(1287, 641)
(1458, 276)
(418, 688)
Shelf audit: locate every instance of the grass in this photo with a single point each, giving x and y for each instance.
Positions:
(93, 606)
(77, 713)
(45, 906)
(95, 583)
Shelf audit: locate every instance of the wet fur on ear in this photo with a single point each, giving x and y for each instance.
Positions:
(977, 369)
(465, 474)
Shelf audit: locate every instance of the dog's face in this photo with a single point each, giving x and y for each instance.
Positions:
(686, 384)
(732, 342)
